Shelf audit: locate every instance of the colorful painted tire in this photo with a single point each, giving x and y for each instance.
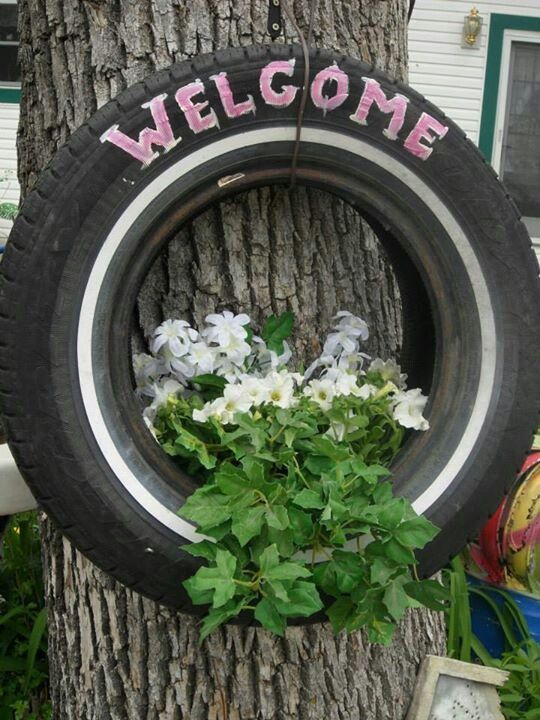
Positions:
(190, 136)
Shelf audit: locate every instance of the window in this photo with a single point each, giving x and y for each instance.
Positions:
(518, 132)
(9, 44)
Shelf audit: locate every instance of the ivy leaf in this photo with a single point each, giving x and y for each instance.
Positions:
(301, 525)
(204, 549)
(430, 593)
(210, 380)
(309, 499)
(416, 533)
(206, 510)
(231, 480)
(195, 445)
(381, 572)
(269, 617)
(268, 559)
(287, 571)
(381, 632)
(277, 329)
(277, 517)
(220, 579)
(396, 600)
(247, 523)
(392, 513)
(398, 553)
(304, 600)
(218, 616)
(340, 612)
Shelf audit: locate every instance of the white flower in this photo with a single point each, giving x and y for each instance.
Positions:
(389, 370)
(235, 349)
(225, 326)
(203, 357)
(280, 387)
(345, 383)
(366, 391)
(322, 392)
(161, 392)
(339, 342)
(146, 370)
(235, 400)
(256, 388)
(408, 409)
(349, 330)
(353, 324)
(174, 334)
(180, 367)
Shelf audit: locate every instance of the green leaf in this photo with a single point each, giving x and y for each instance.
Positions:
(287, 571)
(396, 600)
(255, 470)
(301, 525)
(340, 612)
(38, 631)
(204, 549)
(416, 533)
(277, 329)
(207, 510)
(309, 499)
(269, 617)
(396, 552)
(247, 523)
(268, 559)
(381, 572)
(277, 517)
(218, 616)
(220, 579)
(430, 593)
(381, 632)
(231, 480)
(304, 600)
(210, 380)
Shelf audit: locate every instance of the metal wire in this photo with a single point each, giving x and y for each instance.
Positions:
(306, 43)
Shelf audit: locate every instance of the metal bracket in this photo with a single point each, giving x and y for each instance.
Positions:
(275, 19)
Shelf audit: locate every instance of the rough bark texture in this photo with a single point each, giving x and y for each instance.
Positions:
(115, 655)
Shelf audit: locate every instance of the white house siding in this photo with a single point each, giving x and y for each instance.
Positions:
(450, 75)
(9, 188)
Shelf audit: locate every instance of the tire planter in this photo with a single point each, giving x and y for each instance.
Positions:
(207, 129)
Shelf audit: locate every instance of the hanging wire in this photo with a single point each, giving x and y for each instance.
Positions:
(306, 43)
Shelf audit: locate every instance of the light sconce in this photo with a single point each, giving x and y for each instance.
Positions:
(471, 29)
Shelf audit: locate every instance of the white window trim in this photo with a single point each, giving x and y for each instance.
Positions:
(509, 37)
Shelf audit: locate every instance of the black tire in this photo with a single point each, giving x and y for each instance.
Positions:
(467, 272)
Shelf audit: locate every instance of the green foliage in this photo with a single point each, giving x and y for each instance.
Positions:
(23, 625)
(8, 211)
(520, 696)
(296, 517)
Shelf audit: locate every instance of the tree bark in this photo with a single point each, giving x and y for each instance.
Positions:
(113, 654)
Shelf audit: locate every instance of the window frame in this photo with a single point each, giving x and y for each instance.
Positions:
(10, 92)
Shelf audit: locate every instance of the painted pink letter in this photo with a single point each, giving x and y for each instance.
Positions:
(374, 94)
(286, 95)
(197, 122)
(232, 108)
(330, 74)
(423, 130)
(141, 149)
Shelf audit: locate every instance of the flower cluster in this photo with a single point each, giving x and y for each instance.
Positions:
(254, 370)
(291, 466)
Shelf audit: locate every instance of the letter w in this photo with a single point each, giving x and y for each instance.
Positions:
(142, 149)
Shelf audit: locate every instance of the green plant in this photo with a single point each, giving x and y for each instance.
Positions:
(23, 624)
(295, 500)
(520, 696)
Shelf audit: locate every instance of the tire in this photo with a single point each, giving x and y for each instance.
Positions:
(97, 217)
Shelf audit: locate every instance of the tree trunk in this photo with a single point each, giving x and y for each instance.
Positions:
(113, 654)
